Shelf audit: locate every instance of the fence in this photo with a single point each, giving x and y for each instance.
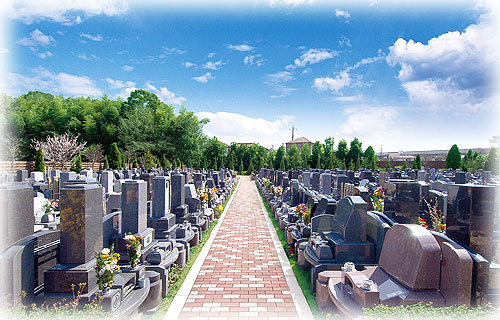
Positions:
(437, 164)
(6, 166)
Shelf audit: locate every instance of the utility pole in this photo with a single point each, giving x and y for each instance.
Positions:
(381, 151)
(293, 132)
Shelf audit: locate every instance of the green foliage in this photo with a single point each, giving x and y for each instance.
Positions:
(115, 157)
(241, 168)
(305, 154)
(135, 164)
(149, 163)
(76, 164)
(355, 153)
(39, 161)
(388, 166)
(493, 161)
(294, 157)
(106, 163)
(453, 158)
(405, 165)
(164, 161)
(428, 311)
(251, 167)
(417, 162)
(279, 161)
(370, 159)
(317, 151)
(282, 164)
(473, 161)
(341, 153)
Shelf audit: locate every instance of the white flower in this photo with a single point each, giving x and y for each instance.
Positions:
(105, 251)
(128, 237)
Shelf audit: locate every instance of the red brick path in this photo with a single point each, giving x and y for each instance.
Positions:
(241, 276)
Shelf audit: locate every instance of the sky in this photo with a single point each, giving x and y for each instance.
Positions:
(417, 75)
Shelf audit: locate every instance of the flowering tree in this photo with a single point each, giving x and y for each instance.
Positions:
(94, 153)
(59, 149)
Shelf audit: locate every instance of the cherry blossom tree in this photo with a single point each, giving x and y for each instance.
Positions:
(59, 149)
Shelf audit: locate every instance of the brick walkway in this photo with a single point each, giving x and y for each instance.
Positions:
(242, 276)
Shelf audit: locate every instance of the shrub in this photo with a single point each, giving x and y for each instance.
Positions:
(76, 164)
(39, 161)
(115, 157)
(453, 158)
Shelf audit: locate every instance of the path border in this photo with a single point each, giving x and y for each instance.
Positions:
(299, 300)
(175, 309)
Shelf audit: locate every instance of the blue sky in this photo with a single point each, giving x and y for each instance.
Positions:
(413, 76)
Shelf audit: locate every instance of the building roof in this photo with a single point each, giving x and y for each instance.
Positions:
(300, 140)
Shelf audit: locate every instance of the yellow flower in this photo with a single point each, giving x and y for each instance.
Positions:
(220, 208)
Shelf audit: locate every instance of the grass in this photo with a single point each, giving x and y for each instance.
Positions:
(427, 311)
(193, 255)
(303, 276)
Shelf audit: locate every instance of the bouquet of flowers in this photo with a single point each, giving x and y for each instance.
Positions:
(106, 267)
(134, 249)
(278, 191)
(377, 199)
(203, 197)
(51, 206)
(436, 218)
(301, 209)
(212, 193)
(267, 183)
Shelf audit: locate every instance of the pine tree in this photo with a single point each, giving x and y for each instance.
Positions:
(215, 165)
(149, 160)
(282, 164)
(106, 163)
(388, 166)
(453, 158)
(221, 163)
(115, 157)
(39, 161)
(418, 162)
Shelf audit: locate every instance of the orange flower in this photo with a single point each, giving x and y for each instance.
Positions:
(104, 256)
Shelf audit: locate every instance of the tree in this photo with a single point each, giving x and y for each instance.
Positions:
(39, 161)
(493, 161)
(473, 161)
(417, 162)
(94, 154)
(317, 151)
(341, 153)
(164, 161)
(134, 163)
(355, 153)
(76, 164)
(388, 166)
(106, 163)
(250, 167)
(453, 158)
(59, 148)
(241, 168)
(294, 156)
(405, 165)
(282, 164)
(279, 157)
(305, 154)
(115, 157)
(148, 160)
(12, 150)
(369, 157)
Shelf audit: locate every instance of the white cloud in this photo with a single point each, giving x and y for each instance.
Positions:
(166, 51)
(240, 47)
(91, 57)
(454, 71)
(204, 78)
(127, 68)
(345, 42)
(343, 15)
(213, 65)
(165, 95)
(189, 64)
(62, 11)
(36, 38)
(383, 121)
(43, 55)
(334, 84)
(4, 51)
(291, 3)
(91, 37)
(253, 60)
(312, 56)
(234, 127)
(211, 55)
(277, 82)
(118, 84)
(57, 83)
(350, 99)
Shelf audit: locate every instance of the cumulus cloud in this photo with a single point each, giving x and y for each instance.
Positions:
(382, 124)
(255, 59)
(165, 95)
(91, 57)
(334, 84)
(127, 68)
(343, 15)
(240, 47)
(312, 56)
(345, 42)
(453, 71)
(189, 64)
(91, 37)
(277, 81)
(213, 65)
(57, 83)
(234, 127)
(118, 84)
(62, 11)
(36, 38)
(43, 55)
(204, 78)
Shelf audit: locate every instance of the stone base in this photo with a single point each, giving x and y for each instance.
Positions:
(59, 278)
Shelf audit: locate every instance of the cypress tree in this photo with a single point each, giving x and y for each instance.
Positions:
(453, 158)
(282, 164)
(115, 157)
(405, 165)
(221, 162)
(493, 161)
(250, 166)
(167, 164)
(241, 168)
(149, 160)
(106, 163)
(418, 162)
(76, 164)
(388, 166)
(163, 161)
(39, 161)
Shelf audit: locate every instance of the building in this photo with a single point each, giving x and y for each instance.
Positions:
(300, 142)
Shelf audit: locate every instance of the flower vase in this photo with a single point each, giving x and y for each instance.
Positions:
(47, 218)
(105, 290)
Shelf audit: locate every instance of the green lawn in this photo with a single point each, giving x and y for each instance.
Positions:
(303, 276)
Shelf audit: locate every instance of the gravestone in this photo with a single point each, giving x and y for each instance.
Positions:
(178, 204)
(22, 175)
(459, 177)
(37, 176)
(65, 176)
(162, 220)
(402, 200)
(107, 180)
(315, 181)
(325, 186)
(306, 179)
